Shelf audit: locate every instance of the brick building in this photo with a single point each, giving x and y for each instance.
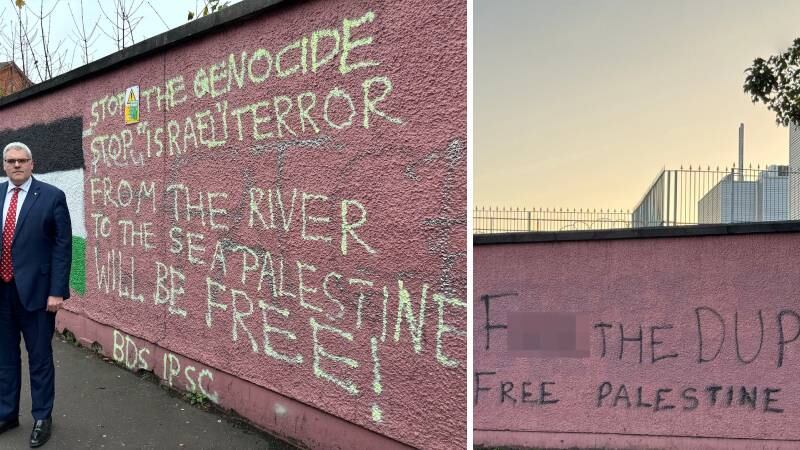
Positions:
(12, 79)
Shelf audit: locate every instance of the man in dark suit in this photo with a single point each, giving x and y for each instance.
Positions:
(35, 259)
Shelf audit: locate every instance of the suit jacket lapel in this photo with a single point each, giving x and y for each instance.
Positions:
(30, 199)
(3, 189)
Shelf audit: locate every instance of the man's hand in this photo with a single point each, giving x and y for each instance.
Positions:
(54, 303)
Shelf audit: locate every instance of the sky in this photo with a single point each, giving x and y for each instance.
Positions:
(581, 103)
(157, 16)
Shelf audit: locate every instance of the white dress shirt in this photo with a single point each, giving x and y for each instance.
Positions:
(23, 193)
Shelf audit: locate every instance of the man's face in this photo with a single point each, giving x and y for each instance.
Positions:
(18, 171)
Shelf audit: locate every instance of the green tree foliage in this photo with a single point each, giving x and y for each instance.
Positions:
(775, 82)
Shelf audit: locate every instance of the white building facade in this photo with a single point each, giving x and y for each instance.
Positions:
(794, 169)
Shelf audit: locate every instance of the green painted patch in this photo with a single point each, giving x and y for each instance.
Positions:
(77, 276)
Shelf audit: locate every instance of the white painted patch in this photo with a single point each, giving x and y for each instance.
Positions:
(280, 410)
(71, 182)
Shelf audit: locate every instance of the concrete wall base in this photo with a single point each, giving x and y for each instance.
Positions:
(265, 409)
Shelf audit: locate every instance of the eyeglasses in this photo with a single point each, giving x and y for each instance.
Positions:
(13, 162)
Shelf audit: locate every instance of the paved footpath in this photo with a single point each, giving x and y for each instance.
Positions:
(101, 405)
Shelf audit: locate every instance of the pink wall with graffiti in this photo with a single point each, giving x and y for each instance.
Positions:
(287, 221)
(679, 342)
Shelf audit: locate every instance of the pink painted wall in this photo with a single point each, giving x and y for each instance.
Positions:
(677, 291)
(321, 148)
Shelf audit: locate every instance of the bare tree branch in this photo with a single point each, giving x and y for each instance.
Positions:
(25, 39)
(157, 14)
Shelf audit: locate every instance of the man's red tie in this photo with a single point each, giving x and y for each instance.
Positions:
(6, 268)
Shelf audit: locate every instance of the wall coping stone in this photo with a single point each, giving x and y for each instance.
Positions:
(637, 233)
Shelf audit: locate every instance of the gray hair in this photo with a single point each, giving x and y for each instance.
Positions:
(18, 146)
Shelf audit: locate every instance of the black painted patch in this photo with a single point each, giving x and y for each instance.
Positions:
(56, 145)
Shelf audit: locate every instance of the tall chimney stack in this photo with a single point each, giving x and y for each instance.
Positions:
(741, 152)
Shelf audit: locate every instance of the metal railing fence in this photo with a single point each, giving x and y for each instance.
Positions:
(505, 220)
(676, 197)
